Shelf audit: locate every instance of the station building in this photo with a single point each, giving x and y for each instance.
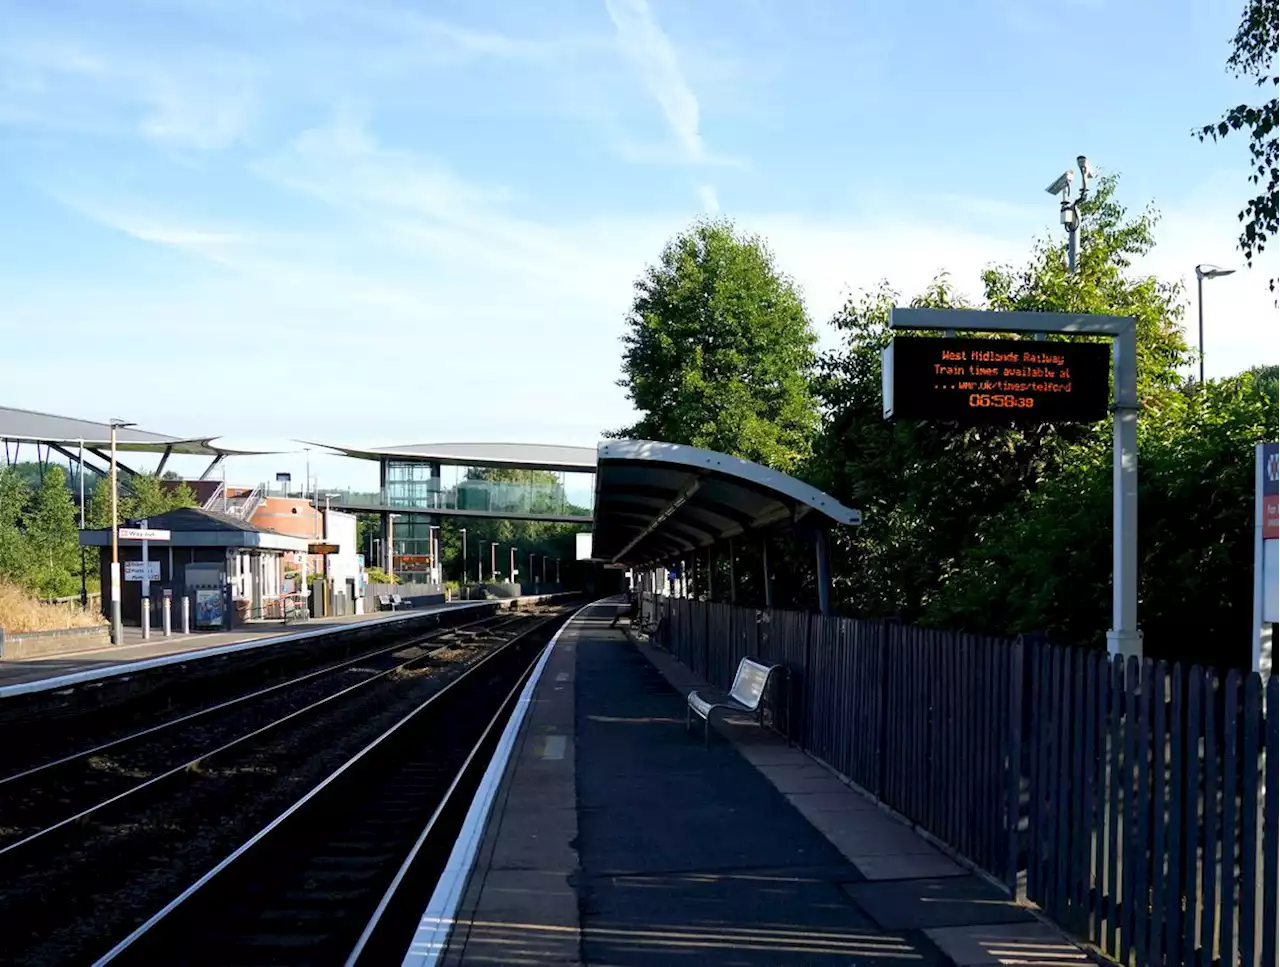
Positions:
(206, 552)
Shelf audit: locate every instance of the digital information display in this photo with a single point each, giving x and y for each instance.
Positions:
(996, 380)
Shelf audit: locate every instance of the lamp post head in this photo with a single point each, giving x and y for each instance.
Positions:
(1212, 271)
(118, 424)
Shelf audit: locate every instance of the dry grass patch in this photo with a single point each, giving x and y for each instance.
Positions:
(19, 611)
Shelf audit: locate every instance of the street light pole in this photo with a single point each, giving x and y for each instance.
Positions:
(511, 575)
(463, 568)
(1205, 272)
(117, 628)
(84, 588)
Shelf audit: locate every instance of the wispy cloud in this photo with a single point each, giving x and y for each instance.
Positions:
(205, 102)
(707, 195)
(654, 56)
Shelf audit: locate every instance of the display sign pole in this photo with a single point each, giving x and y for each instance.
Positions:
(1266, 530)
(146, 571)
(1123, 638)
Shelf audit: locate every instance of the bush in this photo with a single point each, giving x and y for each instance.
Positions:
(377, 575)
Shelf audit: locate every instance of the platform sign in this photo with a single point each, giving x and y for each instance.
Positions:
(582, 545)
(142, 570)
(143, 534)
(996, 380)
(412, 562)
(322, 548)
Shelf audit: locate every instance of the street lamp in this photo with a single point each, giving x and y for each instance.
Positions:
(117, 629)
(1205, 272)
(463, 568)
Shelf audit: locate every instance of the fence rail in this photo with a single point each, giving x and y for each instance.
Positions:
(1128, 799)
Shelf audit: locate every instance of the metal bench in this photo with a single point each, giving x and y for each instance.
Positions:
(750, 686)
(384, 602)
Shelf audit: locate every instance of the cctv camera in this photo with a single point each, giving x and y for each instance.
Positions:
(1062, 184)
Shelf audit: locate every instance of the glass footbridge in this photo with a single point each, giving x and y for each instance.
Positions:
(515, 481)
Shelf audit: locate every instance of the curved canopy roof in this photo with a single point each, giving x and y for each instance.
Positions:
(657, 501)
(525, 456)
(28, 426)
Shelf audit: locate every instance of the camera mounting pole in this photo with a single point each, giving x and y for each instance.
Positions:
(1070, 208)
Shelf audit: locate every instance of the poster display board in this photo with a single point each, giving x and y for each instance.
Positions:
(208, 608)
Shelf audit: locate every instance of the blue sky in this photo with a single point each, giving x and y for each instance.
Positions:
(377, 223)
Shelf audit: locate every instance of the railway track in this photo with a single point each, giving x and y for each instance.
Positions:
(325, 882)
(39, 800)
(53, 729)
(105, 854)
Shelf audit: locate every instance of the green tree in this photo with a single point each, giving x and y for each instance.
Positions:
(14, 551)
(719, 351)
(934, 495)
(52, 538)
(137, 497)
(1049, 568)
(1267, 379)
(98, 513)
(1253, 55)
(149, 497)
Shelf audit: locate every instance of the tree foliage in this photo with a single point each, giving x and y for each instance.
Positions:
(39, 524)
(52, 535)
(1253, 55)
(1005, 529)
(936, 496)
(719, 350)
(137, 498)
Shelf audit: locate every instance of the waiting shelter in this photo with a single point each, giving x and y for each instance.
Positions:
(229, 569)
(667, 505)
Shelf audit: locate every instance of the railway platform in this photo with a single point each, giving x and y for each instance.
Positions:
(612, 836)
(25, 676)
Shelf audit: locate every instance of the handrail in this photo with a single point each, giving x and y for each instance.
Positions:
(218, 491)
(252, 502)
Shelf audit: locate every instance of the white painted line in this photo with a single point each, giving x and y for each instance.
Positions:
(432, 936)
(553, 747)
(562, 676)
(144, 664)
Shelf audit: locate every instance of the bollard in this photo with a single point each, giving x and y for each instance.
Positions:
(167, 614)
(186, 615)
(146, 618)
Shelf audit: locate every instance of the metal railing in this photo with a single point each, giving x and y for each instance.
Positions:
(481, 496)
(215, 500)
